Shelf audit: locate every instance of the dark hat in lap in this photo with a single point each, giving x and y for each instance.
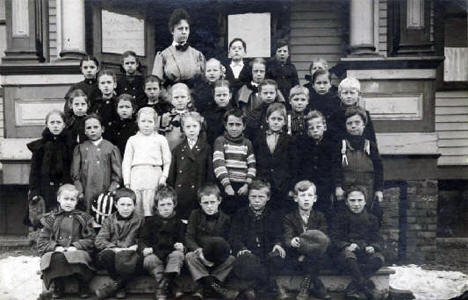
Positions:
(248, 267)
(216, 250)
(313, 243)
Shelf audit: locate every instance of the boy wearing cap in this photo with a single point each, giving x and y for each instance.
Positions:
(256, 239)
(356, 244)
(305, 238)
(209, 260)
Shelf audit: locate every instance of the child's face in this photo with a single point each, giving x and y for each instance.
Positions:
(152, 90)
(276, 121)
(146, 123)
(237, 51)
(299, 102)
(180, 99)
(125, 206)
(234, 126)
(318, 66)
(222, 96)
(125, 109)
(349, 96)
(93, 129)
(191, 128)
(356, 202)
(355, 125)
(130, 65)
(306, 199)
(322, 84)
(68, 200)
(181, 32)
(166, 207)
(106, 85)
(89, 69)
(282, 54)
(79, 106)
(210, 204)
(268, 94)
(212, 71)
(258, 72)
(258, 198)
(55, 124)
(315, 128)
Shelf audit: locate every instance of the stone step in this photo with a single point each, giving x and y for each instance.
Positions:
(14, 241)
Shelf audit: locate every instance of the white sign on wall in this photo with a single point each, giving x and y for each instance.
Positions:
(254, 29)
(121, 33)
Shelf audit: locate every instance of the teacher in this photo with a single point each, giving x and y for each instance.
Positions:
(179, 62)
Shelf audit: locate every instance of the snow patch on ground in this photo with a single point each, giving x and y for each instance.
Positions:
(19, 278)
(429, 285)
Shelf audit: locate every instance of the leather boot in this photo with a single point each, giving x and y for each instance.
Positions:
(57, 289)
(304, 289)
(281, 291)
(224, 292)
(319, 290)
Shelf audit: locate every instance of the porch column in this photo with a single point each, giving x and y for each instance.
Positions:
(361, 14)
(73, 29)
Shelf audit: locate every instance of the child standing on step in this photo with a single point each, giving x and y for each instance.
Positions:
(357, 244)
(125, 126)
(65, 243)
(162, 242)
(299, 102)
(131, 81)
(146, 162)
(79, 104)
(117, 242)
(104, 104)
(97, 164)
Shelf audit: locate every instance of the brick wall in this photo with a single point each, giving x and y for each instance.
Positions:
(391, 224)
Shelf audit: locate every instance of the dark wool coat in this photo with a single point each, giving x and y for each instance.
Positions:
(88, 86)
(50, 166)
(75, 128)
(202, 95)
(338, 126)
(361, 229)
(201, 226)
(245, 75)
(161, 234)
(328, 104)
(161, 107)
(120, 131)
(279, 168)
(259, 235)
(292, 227)
(190, 169)
(66, 229)
(119, 233)
(132, 85)
(214, 118)
(256, 122)
(107, 110)
(285, 75)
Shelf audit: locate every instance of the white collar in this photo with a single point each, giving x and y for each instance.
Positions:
(97, 142)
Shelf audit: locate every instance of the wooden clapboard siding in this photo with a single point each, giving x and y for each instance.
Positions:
(382, 42)
(452, 127)
(317, 30)
(2, 118)
(53, 30)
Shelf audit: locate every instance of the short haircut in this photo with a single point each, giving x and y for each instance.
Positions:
(215, 60)
(349, 83)
(152, 78)
(320, 73)
(67, 187)
(238, 40)
(89, 58)
(304, 185)
(147, 110)
(298, 90)
(281, 43)
(178, 15)
(356, 110)
(276, 107)
(318, 60)
(266, 82)
(125, 97)
(191, 115)
(108, 73)
(77, 93)
(55, 112)
(258, 184)
(315, 114)
(222, 83)
(236, 112)
(178, 86)
(93, 116)
(165, 193)
(126, 54)
(207, 190)
(124, 193)
(258, 60)
(356, 188)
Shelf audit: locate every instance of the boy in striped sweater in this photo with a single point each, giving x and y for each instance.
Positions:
(234, 162)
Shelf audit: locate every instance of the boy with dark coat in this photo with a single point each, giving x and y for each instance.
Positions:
(282, 70)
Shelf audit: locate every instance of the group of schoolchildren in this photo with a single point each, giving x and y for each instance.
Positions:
(244, 175)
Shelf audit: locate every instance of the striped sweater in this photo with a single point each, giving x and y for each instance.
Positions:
(233, 160)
